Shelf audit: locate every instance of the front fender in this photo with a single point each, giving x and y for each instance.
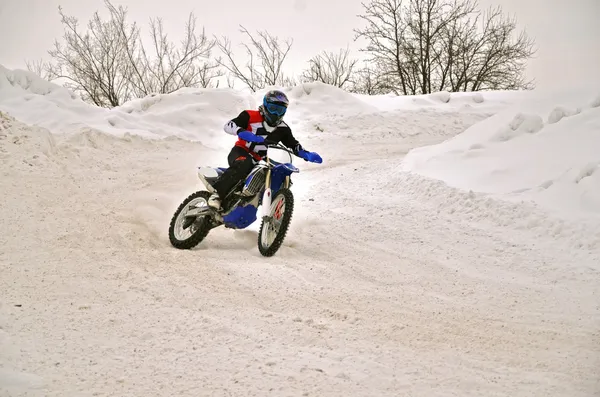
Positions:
(278, 174)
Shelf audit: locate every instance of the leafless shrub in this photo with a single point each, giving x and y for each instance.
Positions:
(93, 63)
(367, 81)
(168, 67)
(331, 68)
(266, 56)
(109, 65)
(41, 68)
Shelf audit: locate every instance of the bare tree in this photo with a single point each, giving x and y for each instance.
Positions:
(492, 58)
(331, 68)
(426, 21)
(266, 56)
(423, 46)
(109, 65)
(91, 62)
(502, 56)
(168, 68)
(367, 81)
(384, 32)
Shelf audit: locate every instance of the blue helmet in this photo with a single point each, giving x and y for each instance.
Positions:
(275, 104)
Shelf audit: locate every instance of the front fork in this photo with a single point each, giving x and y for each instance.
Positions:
(266, 201)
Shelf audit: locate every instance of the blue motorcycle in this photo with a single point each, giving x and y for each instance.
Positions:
(268, 184)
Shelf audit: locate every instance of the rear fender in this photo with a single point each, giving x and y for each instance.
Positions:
(208, 176)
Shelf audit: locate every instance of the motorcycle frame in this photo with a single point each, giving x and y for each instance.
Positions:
(266, 196)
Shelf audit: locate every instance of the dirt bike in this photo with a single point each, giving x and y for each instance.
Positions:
(268, 184)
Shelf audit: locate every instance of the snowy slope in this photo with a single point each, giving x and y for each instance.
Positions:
(187, 114)
(195, 114)
(389, 283)
(546, 150)
(445, 101)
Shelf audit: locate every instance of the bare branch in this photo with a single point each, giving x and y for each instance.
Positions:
(367, 81)
(331, 68)
(42, 68)
(109, 65)
(266, 56)
(423, 46)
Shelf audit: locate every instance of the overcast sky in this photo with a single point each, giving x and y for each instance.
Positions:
(567, 32)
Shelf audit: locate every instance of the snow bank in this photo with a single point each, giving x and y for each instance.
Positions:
(546, 149)
(199, 114)
(445, 101)
(193, 114)
(314, 101)
(21, 144)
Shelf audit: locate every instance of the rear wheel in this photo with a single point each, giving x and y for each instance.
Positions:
(187, 232)
(273, 229)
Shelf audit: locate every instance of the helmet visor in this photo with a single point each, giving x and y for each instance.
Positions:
(276, 109)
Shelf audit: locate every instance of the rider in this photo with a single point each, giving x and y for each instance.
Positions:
(253, 128)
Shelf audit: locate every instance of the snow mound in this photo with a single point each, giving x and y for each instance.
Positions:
(23, 147)
(577, 237)
(445, 101)
(546, 150)
(521, 124)
(193, 114)
(20, 82)
(199, 114)
(316, 100)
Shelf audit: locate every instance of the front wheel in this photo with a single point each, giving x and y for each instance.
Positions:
(186, 232)
(273, 229)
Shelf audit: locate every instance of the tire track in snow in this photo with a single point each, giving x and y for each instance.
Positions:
(352, 305)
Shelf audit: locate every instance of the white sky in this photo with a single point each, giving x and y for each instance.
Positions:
(567, 32)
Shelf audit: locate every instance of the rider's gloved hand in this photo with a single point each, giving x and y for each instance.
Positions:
(250, 137)
(310, 156)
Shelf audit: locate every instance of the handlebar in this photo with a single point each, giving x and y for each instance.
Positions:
(279, 146)
(273, 145)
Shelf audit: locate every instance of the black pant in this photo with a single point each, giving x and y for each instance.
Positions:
(240, 164)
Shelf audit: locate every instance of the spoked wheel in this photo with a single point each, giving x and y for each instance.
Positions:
(186, 232)
(273, 230)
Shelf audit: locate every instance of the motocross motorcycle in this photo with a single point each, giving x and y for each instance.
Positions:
(268, 184)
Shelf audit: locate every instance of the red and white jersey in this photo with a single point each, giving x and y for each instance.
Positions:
(253, 121)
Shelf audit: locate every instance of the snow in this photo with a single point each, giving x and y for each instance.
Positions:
(493, 100)
(544, 150)
(439, 273)
(187, 114)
